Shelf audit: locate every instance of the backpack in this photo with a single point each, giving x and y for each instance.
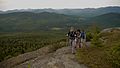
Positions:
(72, 35)
(82, 35)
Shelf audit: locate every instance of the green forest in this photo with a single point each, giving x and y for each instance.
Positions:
(14, 44)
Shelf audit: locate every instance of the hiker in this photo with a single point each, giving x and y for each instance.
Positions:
(72, 42)
(83, 38)
(78, 33)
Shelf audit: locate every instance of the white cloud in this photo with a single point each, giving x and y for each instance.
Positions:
(17, 4)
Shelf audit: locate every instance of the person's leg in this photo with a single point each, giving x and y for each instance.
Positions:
(85, 43)
(73, 46)
(75, 43)
(81, 43)
(70, 42)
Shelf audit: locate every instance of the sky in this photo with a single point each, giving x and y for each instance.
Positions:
(56, 4)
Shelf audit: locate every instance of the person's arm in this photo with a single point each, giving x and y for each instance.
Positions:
(75, 34)
(68, 34)
(79, 35)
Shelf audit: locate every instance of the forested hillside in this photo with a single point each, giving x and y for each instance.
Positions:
(29, 22)
(106, 20)
(14, 44)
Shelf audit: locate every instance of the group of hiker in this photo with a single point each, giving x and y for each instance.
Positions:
(77, 39)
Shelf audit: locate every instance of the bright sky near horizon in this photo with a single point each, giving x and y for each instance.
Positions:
(56, 4)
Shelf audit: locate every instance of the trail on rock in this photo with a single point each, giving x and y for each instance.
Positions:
(61, 58)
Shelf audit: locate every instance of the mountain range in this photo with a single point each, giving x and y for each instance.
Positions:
(106, 20)
(47, 19)
(28, 21)
(87, 12)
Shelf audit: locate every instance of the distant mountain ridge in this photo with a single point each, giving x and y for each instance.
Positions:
(87, 12)
(106, 20)
(30, 21)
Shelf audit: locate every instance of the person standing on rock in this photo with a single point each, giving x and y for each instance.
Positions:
(78, 32)
(72, 39)
(83, 38)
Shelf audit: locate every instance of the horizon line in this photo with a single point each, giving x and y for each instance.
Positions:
(57, 8)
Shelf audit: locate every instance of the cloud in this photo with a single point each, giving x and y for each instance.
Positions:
(1, 4)
(19, 4)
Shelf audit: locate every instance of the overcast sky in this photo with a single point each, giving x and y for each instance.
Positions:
(56, 4)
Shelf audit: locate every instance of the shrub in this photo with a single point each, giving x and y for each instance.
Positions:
(114, 56)
(89, 36)
(96, 40)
